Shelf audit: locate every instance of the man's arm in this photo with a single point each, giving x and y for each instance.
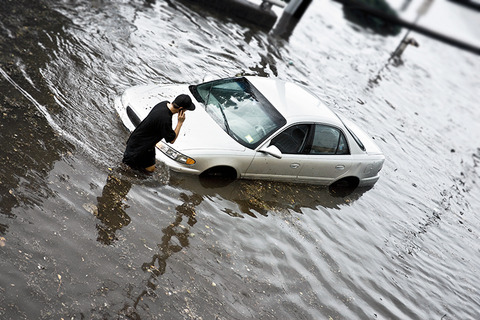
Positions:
(181, 119)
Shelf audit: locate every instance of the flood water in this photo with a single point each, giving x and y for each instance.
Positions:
(81, 238)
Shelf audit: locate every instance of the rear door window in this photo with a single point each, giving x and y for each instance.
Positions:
(328, 140)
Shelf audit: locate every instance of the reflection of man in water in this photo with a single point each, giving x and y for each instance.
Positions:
(140, 151)
(111, 209)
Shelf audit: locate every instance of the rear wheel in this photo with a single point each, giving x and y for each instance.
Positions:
(343, 187)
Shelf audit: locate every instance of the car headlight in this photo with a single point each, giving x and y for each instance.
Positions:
(174, 154)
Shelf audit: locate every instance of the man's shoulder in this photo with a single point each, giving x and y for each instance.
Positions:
(161, 113)
(161, 105)
(160, 108)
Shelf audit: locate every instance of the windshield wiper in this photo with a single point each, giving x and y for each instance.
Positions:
(227, 127)
(208, 96)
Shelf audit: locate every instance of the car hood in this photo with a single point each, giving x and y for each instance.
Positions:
(201, 132)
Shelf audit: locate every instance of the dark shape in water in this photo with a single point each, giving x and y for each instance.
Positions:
(354, 13)
(242, 9)
(111, 209)
(29, 146)
(290, 17)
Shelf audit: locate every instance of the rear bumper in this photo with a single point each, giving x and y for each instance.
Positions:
(367, 182)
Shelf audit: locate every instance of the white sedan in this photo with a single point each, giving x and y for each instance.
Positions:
(259, 128)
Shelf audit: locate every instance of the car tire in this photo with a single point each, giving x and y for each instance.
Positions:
(344, 186)
(218, 176)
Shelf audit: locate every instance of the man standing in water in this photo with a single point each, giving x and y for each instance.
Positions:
(140, 151)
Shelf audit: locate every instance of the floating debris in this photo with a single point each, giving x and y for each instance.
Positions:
(90, 207)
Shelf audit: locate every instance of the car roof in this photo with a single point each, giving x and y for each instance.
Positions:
(294, 102)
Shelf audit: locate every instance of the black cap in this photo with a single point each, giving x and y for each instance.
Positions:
(184, 101)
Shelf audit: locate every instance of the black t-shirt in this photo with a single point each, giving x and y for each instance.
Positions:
(156, 126)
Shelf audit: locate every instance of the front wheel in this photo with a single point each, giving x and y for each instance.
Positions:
(218, 176)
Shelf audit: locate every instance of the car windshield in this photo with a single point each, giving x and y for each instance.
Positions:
(240, 109)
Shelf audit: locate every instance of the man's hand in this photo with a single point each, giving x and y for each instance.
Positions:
(181, 119)
(181, 116)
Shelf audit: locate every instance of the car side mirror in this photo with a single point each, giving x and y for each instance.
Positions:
(272, 150)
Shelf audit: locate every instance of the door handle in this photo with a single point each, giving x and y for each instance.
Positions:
(294, 165)
(340, 167)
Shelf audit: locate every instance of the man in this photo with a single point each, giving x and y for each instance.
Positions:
(157, 125)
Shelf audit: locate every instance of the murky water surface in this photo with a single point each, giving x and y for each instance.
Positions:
(80, 238)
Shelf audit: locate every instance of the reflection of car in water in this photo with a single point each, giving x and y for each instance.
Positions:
(249, 197)
(238, 198)
(260, 197)
(259, 128)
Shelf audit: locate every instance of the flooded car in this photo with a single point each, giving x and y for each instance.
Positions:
(259, 128)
